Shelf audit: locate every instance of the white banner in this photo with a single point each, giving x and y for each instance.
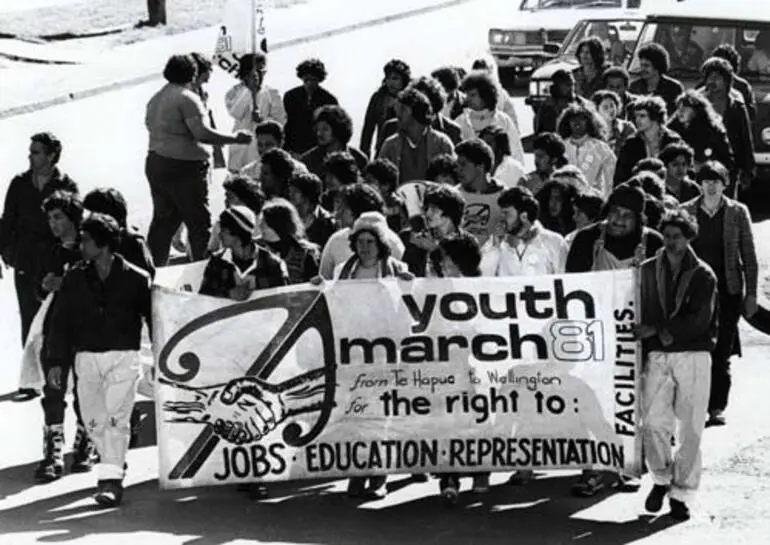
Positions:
(241, 32)
(361, 378)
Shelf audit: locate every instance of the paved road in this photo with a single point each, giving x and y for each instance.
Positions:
(104, 145)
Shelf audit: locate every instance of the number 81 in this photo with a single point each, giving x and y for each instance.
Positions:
(575, 340)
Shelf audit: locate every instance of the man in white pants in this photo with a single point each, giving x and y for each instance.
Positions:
(97, 317)
(679, 331)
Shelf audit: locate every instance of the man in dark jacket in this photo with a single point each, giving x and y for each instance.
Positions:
(726, 243)
(382, 104)
(301, 103)
(25, 236)
(97, 318)
(562, 95)
(333, 130)
(652, 136)
(435, 94)
(653, 65)
(678, 330)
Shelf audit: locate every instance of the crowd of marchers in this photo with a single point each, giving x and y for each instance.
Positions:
(627, 174)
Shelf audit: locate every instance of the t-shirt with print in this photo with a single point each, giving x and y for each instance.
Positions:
(482, 214)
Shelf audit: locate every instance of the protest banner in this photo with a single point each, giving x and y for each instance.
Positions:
(241, 32)
(385, 377)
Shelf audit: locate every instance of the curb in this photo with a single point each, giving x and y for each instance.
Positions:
(139, 80)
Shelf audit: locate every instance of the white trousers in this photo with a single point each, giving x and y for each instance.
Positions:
(676, 390)
(107, 389)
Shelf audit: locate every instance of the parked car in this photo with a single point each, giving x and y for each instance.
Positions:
(534, 32)
(618, 35)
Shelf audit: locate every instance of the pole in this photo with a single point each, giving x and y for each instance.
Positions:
(254, 108)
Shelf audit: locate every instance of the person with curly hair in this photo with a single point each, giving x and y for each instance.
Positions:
(339, 170)
(610, 107)
(240, 102)
(617, 80)
(582, 130)
(652, 135)
(654, 63)
(718, 75)
(301, 103)
(382, 104)
(487, 65)
(592, 64)
(333, 131)
(481, 97)
(556, 206)
(702, 129)
(549, 151)
(741, 86)
(449, 78)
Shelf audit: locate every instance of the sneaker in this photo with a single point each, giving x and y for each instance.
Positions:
(654, 500)
(716, 418)
(84, 452)
(679, 510)
(521, 477)
(109, 493)
(376, 489)
(480, 483)
(588, 485)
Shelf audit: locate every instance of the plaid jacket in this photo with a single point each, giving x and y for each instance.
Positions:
(740, 256)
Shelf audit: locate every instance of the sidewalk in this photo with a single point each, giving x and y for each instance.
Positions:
(33, 87)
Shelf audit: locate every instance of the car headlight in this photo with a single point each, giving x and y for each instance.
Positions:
(766, 136)
(496, 37)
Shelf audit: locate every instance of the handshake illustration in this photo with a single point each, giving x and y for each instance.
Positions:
(246, 409)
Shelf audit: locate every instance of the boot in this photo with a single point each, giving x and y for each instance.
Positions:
(83, 452)
(109, 493)
(51, 466)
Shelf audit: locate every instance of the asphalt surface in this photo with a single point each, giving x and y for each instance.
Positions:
(105, 143)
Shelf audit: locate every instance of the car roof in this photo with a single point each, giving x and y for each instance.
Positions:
(731, 11)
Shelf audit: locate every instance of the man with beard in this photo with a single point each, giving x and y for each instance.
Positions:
(654, 63)
(726, 243)
(526, 248)
(619, 242)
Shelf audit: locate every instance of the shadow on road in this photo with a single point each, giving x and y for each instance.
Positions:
(541, 513)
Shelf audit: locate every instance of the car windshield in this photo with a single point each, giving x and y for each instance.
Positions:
(689, 44)
(618, 37)
(553, 4)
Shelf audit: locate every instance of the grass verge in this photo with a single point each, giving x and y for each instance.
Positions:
(94, 15)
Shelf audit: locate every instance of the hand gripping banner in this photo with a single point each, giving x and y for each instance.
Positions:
(384, 377)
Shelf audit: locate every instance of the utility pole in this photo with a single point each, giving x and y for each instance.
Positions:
(156, 12)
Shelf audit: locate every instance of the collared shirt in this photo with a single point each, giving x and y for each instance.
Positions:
(539, 252)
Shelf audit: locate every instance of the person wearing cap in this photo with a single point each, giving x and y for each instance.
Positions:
(619, 242)
(382, 104)
(239, 191)
(416, 143)
(654, 63)
(481, 97)
(240, 102)
(301, 103)
(241, 266)
(678, 330)
(549, 154)
(97, 316)
(352, 202)
(562, 94)
(652, 135)
(725, 242)
(65, 213)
